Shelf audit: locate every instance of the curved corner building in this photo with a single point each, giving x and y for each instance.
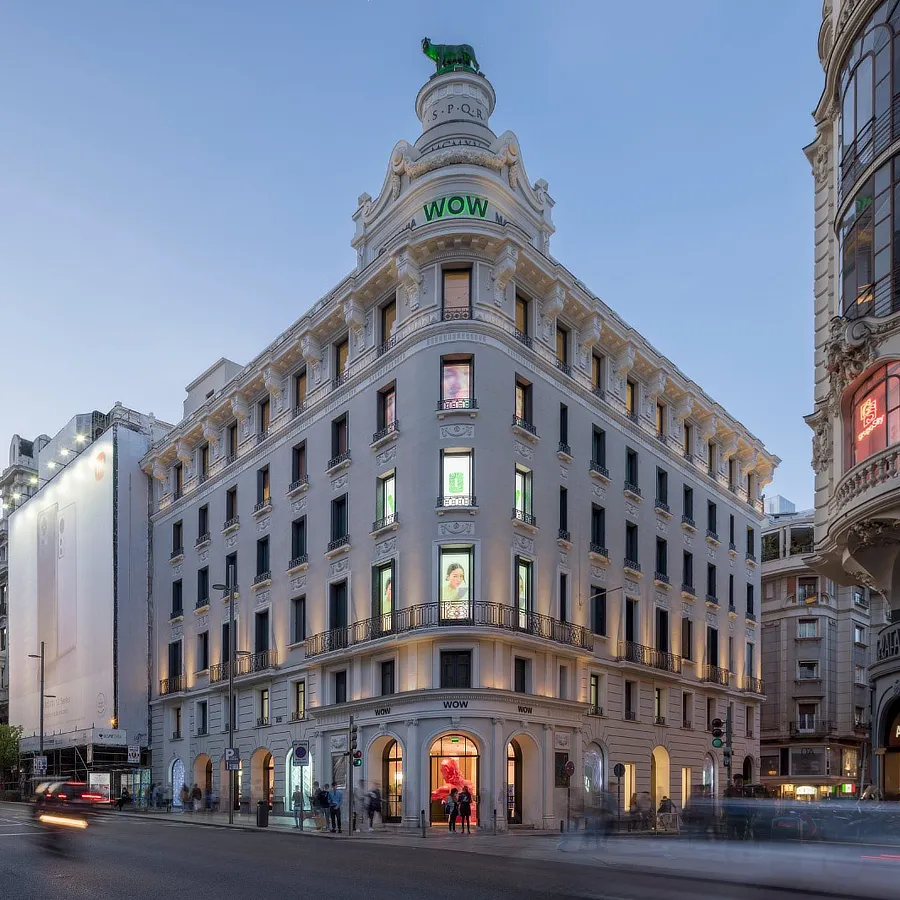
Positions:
(856, 421)
(466, 504)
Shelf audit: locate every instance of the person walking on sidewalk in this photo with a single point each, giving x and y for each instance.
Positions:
(451, 807)
(196, 797)
(373, 804)
(297, 801)
(318, 800)
(465, 810)
(335, 801)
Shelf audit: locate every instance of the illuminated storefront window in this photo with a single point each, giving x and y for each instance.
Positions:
(455, 573)
(875, 413)
(454, 764)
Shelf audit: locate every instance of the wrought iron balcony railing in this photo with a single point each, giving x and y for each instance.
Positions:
(811, 725)
(523, 338)
(598, 469)
(717, 675)
(629, 651)
(451, 500)
(632, 489)
(338, 542)
(460, 403)
(524, 424)
(295, 561)
(382, 433)
(752, 685)
(598, 549)
(245, 664)
(298, 483)
(202, 539)
(173, 685)
(525, 518)
(338, 460)
(385, 522)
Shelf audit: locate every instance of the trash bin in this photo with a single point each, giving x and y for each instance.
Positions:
(262, 814)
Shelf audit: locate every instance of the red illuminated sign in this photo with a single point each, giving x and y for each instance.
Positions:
(869, 419)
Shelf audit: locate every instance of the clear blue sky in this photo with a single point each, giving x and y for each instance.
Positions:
(177, 181)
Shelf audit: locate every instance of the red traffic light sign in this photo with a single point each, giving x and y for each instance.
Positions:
(356, 755)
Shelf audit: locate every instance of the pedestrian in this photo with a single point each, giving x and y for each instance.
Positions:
(157, 795)
(451, 807)
(373, 804)
(323, 807)
(335, 801)
(196, 797)
(315, 804)
(465, 810)
(297, 800)
(185, 797)
(123, 799)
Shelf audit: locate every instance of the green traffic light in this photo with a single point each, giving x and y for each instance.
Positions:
(717, 742)
(357, 762)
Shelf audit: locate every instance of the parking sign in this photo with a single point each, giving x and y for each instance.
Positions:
(301, 753)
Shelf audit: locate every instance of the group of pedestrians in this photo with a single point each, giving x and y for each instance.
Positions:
(325, 804)
(458, 805)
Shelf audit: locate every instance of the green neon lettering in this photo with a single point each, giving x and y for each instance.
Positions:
(435, 210)
(455, 205)
(477, 206)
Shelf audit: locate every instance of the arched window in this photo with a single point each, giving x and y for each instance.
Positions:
(875, 413)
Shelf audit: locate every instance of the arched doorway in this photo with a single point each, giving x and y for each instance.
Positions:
(514, 783)
(176, 777)
(659, 775)
(453, 763)
(262, 776)
(297, 777)
(203, 775)
(709, 777)
(392, 781)
(230, 783)
(748, 770)
(594, 776)
(890, 762)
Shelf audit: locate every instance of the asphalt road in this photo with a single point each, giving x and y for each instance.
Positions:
(126, 857)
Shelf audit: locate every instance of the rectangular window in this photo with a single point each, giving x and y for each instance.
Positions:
(457, 294)
(176, 722)
(807, 589)
(662, 420)
(712, 456)
(712, 646)
(178, 479)
(457, 484)
(662, 486)
(341, 358)
(859, 634)
(594, 695)
(387, 677)
(262, 558)
(388, 321)
(563, 425)
(597, 372)
(385, 500)
(563, 597)
(750, 660)
(749, 720)
(263, 488)
(232, 440)
(204, 462)
(712, 524)
(560, 759)
(598, 447)
(598, 610)
(175, 660)
(387, 408)
(520, 675)
(631, 467)
(202, 522)
(731, 473)
(631, 543)
(632, 621)
(298, 620)
(300, 391)
(263, 707)
(231, 570)
(177, 599)
(264, 409)
(710, 712)
(339, 684)
(687, 503)
(455, 573)
(564, 513)
(299, 711)
(730, 591)
(562, 345)
(338, 606)
(203, 651)
(298, 463)
(456, 669)
(731, 658)
(659, 706)
(523, 326)
(687, 638)
(383, 596)
(630, 701)
(523, 402)
(808, 628)
(598, 527)
(662, 559)
(687, 577)
(226, 642)
(751, 542)
(202, 717)
(340, 436)
(298, 540)
(808, 670)
(751, 606)
(563, 682)
(522, 504)
(203, 586)
(731, 531)
(177, 538)
(524, 569)
(687, 710)
(339, 518)
(712, 587)
(261, 631)
(631, 398)
(457, 383)
(859, 675)
(231, 504)
(662, 629)
(688, 440)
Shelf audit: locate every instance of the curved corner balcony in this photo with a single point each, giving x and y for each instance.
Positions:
(452, 614)
(868, 481)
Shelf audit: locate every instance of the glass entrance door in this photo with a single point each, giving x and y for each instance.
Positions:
(454, 764)
(513, 783)
(392, 778)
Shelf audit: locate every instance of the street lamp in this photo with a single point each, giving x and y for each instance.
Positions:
(230, 587)
(43, 695)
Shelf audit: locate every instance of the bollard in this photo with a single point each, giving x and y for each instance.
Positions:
(422, 820)
(495, 821)
(561, 826)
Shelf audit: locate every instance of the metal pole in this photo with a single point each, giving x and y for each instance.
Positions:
(728, 747)
(42, 698)
(231, 654)
(351, 806)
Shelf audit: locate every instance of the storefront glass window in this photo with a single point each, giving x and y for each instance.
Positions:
(875, 413)
(454, 764)
(298, 777)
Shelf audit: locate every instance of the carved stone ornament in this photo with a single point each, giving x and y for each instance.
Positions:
(159, 471)
(520, 541)
(355, 320)
(598, 573)
(210, 433)
(184, 453)
(709, 427)
(386, 456)
(410, 276)
(624, 362)
(340, 482)
(522, 450)
(553, 306)
(503, 271)
(240, 407)
(385, 548)
(298, 582)
(203, 621)
(262, 597)
(457, 430)
(846, 11)
(591, 332)
(820, 160)
(263, 524)
(849, 351)
(339, 566)
(298, 504)
(311, 350)
(456, 529)
(656, 386)
(729, 446)
(563, 558)
(272, 381)
(203, 555)
(683, 408)
(874, 533)
(598, 491)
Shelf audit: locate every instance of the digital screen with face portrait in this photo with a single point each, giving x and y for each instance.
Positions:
(456, 381)
(455, 572)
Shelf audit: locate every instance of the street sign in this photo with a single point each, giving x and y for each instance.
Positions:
(232, 759)
(569, 769)
(300, 756)
(619, 770)
(134, 754)
(40, 765)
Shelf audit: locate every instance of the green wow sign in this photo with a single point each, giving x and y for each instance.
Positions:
(455, 205)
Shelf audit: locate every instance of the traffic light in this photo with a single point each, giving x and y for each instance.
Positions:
(357, 758)
(726, 757)
(355, 752)
(717, 733)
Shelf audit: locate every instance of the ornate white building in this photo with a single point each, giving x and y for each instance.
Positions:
(466, 504)
(856, 420)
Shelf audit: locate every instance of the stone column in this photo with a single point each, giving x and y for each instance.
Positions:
(549, 815)
(498, 795)
(414, 789)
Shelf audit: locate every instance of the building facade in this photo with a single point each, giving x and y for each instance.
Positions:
(855, 454)
(465, 503)
(817, 642)
(18, 481)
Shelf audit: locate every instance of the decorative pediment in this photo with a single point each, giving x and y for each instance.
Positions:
(410, 276)
(503, 271)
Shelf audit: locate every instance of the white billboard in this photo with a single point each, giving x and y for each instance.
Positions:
(61, 593)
